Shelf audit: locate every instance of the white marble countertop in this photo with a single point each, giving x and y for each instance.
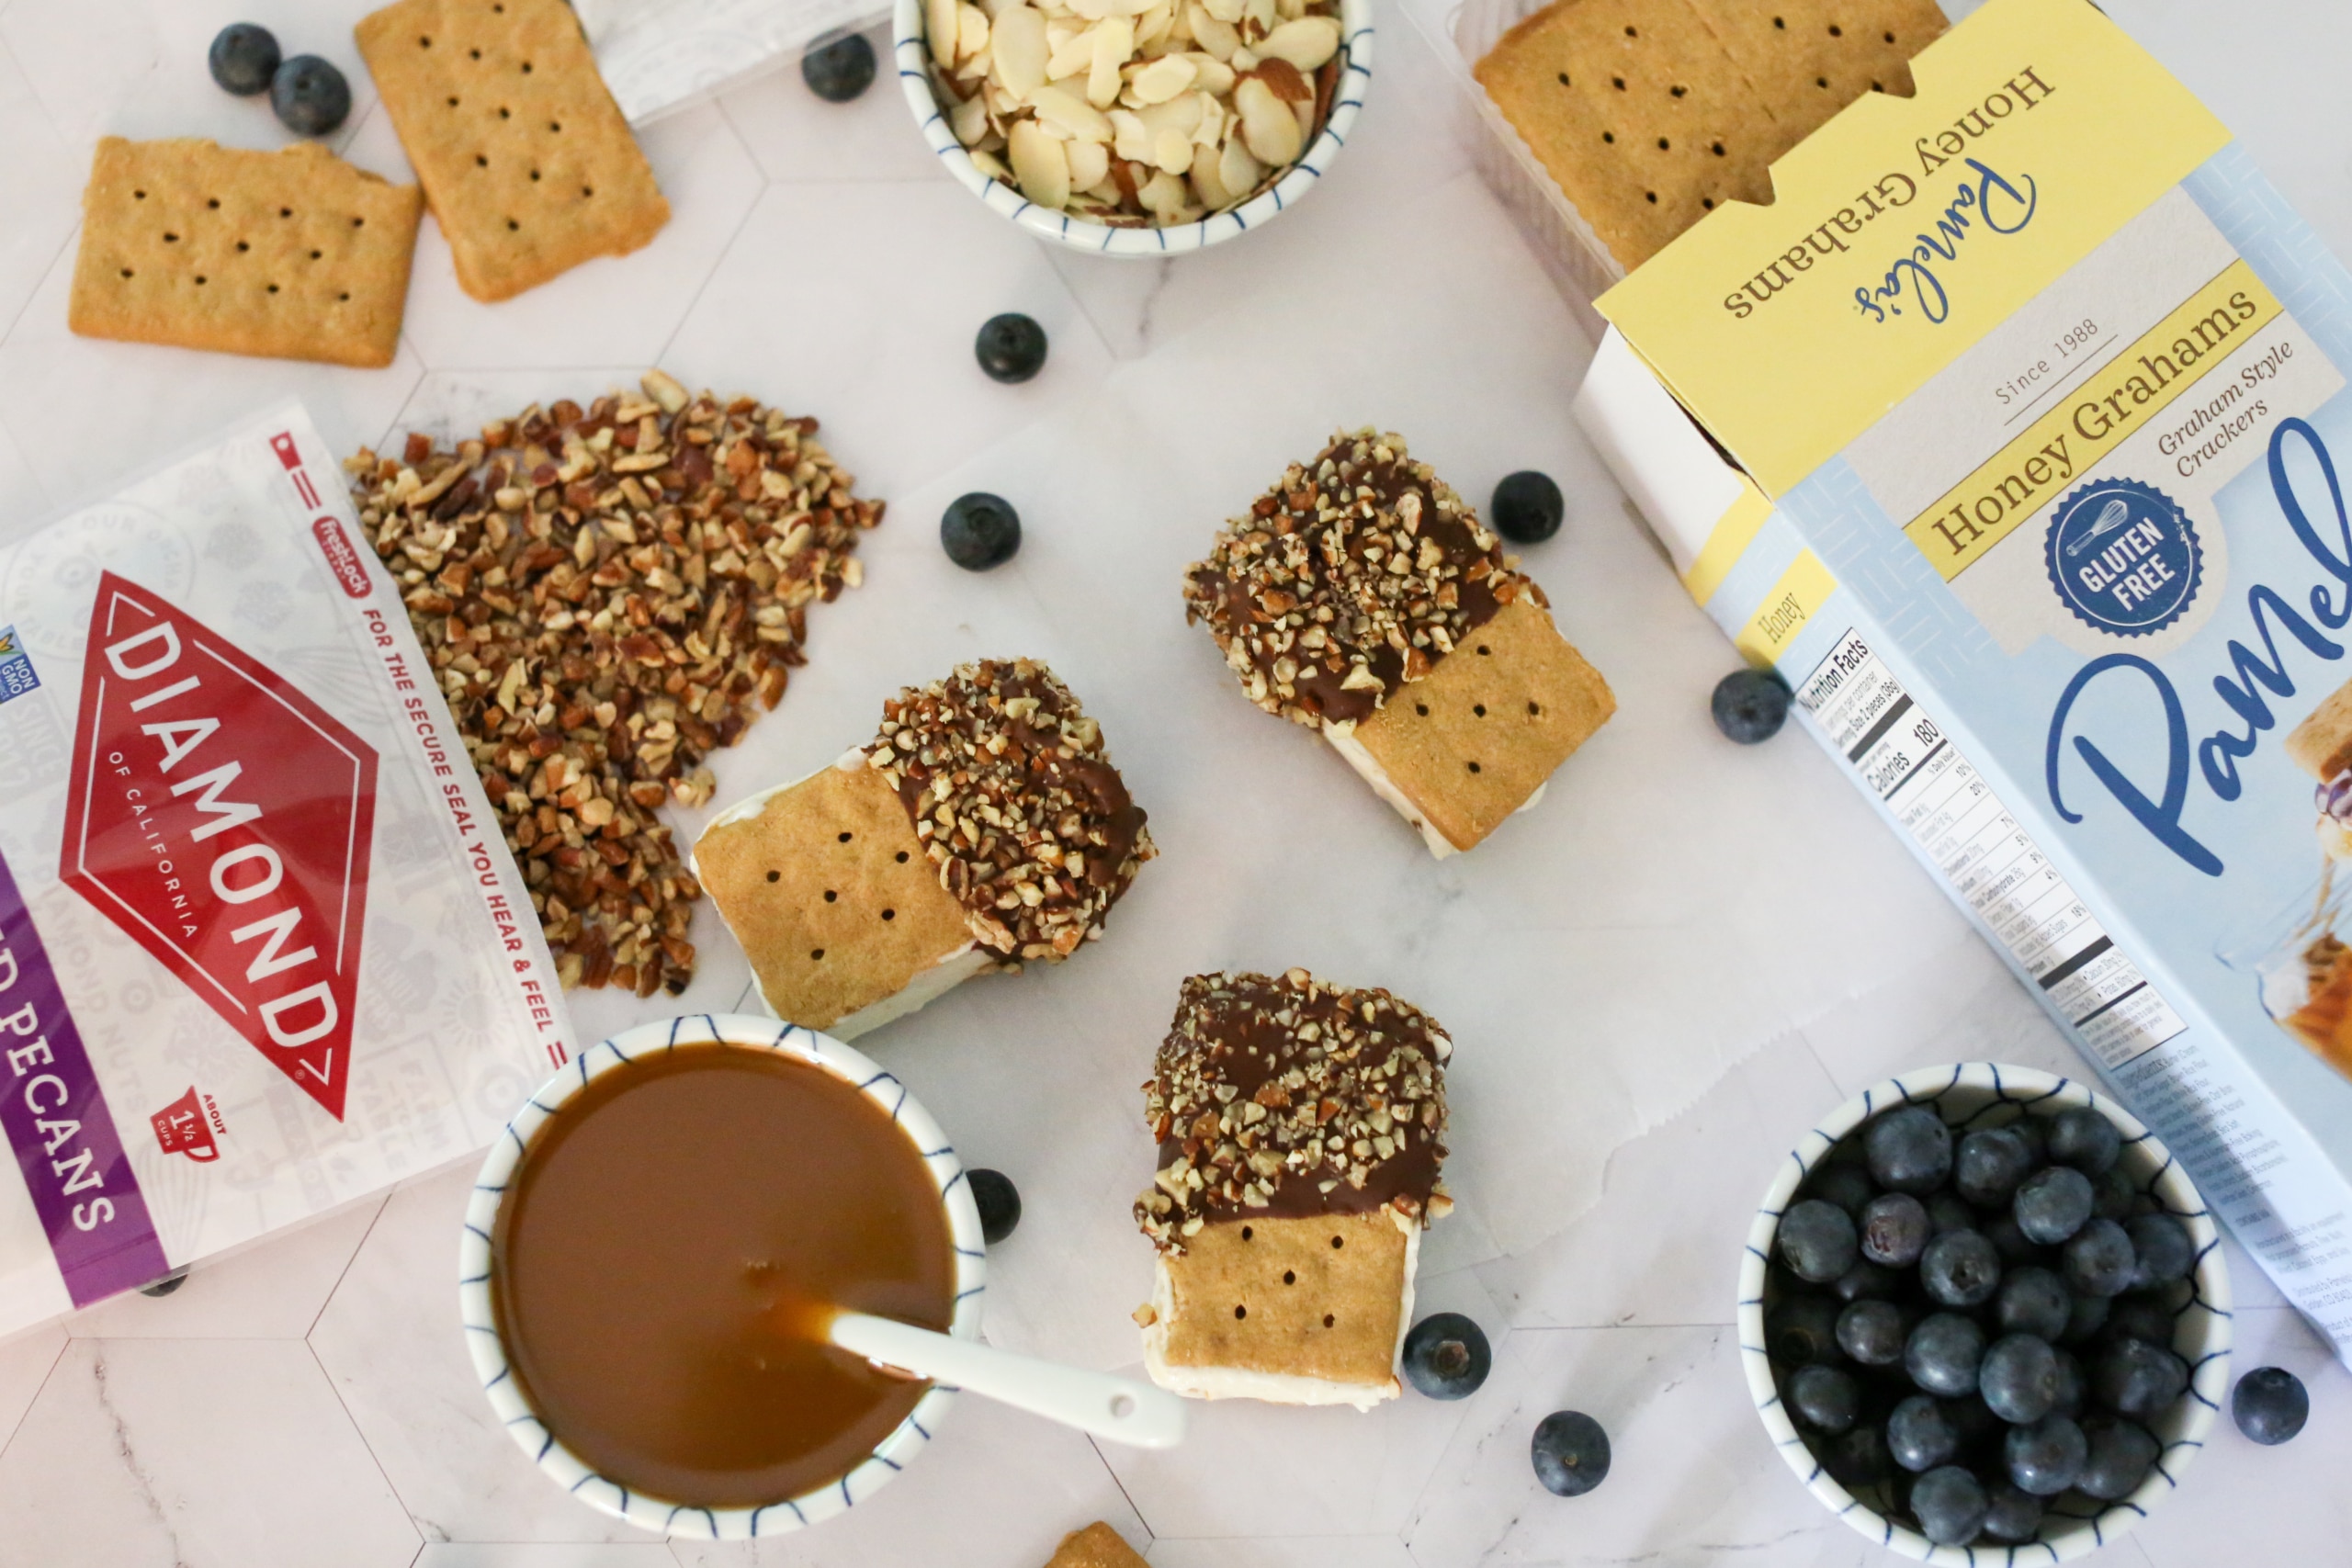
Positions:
(1717, 945)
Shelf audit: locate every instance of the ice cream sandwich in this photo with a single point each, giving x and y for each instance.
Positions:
(1361, 597)
(983, 828)
(2322, 747)
(1301, 1136)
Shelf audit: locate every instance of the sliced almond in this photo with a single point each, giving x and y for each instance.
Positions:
(1163, 79)
(1131, 138)
(970, 121)
(1236, 170)
(1284, 79)
(1039, 164)
(1114, 41)
(1268, 126)
(971, 31)
(1215, 38)
(1210, 73)
(1089, 163)
(1305, 43)
(942, 28)
(1057, 105)
(1017, 39)
(1173, 150)
(1072, 57)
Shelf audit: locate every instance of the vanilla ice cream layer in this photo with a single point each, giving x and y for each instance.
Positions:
(1343, 741)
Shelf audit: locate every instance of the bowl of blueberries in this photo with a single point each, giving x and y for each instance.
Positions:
(1983, 1308)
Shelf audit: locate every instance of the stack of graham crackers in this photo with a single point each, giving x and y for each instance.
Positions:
(525, 162)
(1651, 113)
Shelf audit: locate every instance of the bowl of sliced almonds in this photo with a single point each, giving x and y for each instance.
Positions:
(1136, 127)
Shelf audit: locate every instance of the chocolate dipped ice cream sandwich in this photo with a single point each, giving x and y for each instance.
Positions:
(983, 828)
(1302, 1134)
(1361, 597)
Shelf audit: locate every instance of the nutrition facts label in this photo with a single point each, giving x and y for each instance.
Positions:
(1937, 796)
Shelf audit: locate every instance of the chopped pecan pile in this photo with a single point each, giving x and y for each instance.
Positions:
(606, 596)
(1014, 798)
(1285, 1098)
(1355, 574)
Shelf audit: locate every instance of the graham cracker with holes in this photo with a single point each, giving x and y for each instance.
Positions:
(1638, 113)
(1469, 743)
(831, 895)
(1276, 1298)
(1096, 1546)
(1808, 58)
(2322, 744)
(293, 255)
(526, 160)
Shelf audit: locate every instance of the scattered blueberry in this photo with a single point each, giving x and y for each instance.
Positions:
(2018, 1379)
(2135, 1378)
(2161, 1244)
(1858, 1457)
(1909, 1150)
(2140, 1317)
(2045, 1458)
(979, 531)
(1843, 1182)
(1950, 1505)
(309, 95)
(1446, 1356)
(1874, 1332)
(1944, 1354)
(998, 1203)
(2032, 1301)
(1989, 1165)
(1919, 1436)
(2099, 1261)
(1749, 706)
(2270, 1404)
(170, 1282)
(1866, 1281)
(1894, 1229)
(838, 66)
(2014, 1515)
(1816, 1238)
(1571, 1453)
(2083, 1138)
(2085, 1318)
(1528, 509)
(2052, 1205)
(2121, 1454)
(1011, 347)
(244, 56)
(1960, 1269)
(1801, 1329)
(1825, 1399)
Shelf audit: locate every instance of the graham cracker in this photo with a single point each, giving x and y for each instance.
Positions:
(293, 255)
(1808, 58)
(1096, 1546)
(1307, 1298)
(1482, 732)
(831, 895)
(2322, 744)
(526, 160)
(1638, 113)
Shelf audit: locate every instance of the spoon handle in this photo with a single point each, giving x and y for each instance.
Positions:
(1118, 1408)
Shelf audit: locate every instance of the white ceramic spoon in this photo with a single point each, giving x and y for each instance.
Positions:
(1118, 1408)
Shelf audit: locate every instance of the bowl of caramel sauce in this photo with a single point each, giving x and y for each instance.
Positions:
(647, 1228)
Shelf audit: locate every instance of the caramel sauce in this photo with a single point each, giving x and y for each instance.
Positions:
(656, 1256)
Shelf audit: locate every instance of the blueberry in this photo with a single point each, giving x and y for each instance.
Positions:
(2036, 1133)
(1858, 1457)
(1446, 1356)
(1011, 347)
(2046, 1457)
(1947, 1212)
(1919, 1436)
(2073, 1386)
(2032, 1301)
(1960, 1269)
(1866, 1281)
(2084, 1319)
(2121, 1454)
(1816, 1238)
(1893, 1227)
(1527, 510)
(309, 95)
(2050, 1206)
(244, 56)
(2011, 1243)
(1801, 1329)
(2018, 1378)
(1943, 1353)
(1571, 1453)
(1950, 1505)
(1825, 1399)
(1909, 1150)
(2160, 1242)
(2140, 1317)
(1873, 1333)
(1749, 706)
(1843, 1182)
(838, 66)
(1973, 1420)
(1989, 1165)
(998, 1203)
(979, 531)
(2099, 1261)
(2269, 1404)
(2135, 1378)
(2015, 1516)
(2085, 1139)
(2112, 1195)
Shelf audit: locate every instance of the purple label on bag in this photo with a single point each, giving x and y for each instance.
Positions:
(57, 1120)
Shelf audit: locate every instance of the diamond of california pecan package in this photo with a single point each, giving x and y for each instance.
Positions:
(262, 947)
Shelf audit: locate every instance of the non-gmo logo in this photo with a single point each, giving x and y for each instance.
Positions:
(2124, 557)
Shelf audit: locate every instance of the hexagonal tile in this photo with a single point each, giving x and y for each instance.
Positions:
(797, 135)
(271, 1290)
(226, 1451)
(38, 190)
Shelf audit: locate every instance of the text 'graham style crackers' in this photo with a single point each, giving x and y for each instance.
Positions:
(1096, 1546)
(526, 160)
(294, 255)
(1650, 114)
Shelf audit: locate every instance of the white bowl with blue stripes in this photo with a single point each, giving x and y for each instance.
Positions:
(546, 1449)
(912, 50)
(1970, 1095)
